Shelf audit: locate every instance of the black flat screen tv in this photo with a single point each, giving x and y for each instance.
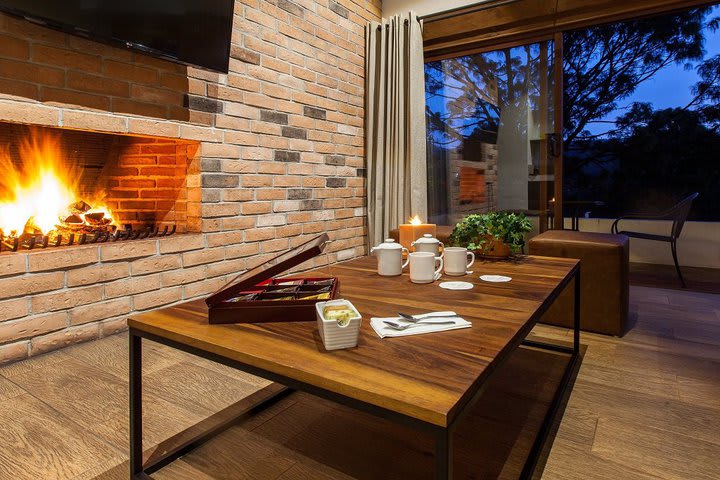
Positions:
(192, 32)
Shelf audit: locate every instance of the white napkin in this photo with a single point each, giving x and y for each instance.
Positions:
(384, 330)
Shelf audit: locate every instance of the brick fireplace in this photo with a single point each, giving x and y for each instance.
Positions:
(142, 180)
(246, 164)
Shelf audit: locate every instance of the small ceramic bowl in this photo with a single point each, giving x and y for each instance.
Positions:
(337, 334)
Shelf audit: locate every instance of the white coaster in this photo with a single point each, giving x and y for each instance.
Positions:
(456, 285)
(495, 278)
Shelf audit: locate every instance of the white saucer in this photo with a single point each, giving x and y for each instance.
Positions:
(495, 278)
(456, 285)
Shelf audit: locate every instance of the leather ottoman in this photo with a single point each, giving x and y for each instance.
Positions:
(604, 287)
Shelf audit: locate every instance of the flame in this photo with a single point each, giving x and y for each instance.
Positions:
(415, 220)
(35, 193)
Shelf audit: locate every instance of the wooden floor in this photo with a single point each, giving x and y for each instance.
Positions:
(644, 406)
(698, 279)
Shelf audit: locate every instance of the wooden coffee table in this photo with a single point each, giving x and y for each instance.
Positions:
(432, 392)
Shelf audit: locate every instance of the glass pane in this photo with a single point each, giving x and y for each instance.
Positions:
(489, 118)
(642, 117)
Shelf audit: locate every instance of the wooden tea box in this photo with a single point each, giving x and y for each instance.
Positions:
(258, 296)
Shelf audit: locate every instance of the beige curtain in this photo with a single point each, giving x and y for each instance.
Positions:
(395, 124)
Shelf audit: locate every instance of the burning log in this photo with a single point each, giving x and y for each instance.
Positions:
(97, 217)
(79, 207)
(81, 218)
(31, 230)
(72, 219)
(79, 223)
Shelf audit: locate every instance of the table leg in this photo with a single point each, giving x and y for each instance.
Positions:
(443, 454)
(135, 374)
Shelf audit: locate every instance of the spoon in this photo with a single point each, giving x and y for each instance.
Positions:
(397, 326)
(417, 318)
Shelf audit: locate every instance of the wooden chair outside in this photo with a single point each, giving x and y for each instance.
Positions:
(678, 214)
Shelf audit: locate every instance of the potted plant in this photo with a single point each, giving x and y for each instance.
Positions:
(493, 234)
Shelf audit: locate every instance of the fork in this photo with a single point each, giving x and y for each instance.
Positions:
(397, 326)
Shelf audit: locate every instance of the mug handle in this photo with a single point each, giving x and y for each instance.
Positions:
(408, 258)
(471, 256)
(442, 246)
(438, 273)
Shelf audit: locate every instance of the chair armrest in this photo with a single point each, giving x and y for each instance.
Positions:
(637, 216)
(677, 213)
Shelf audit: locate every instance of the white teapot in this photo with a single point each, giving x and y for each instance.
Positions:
(427, 243)
(390, 258)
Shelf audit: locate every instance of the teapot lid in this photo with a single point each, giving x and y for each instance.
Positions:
(388, 244)
(427, 239)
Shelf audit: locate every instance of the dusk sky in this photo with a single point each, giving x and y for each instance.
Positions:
(671, 87)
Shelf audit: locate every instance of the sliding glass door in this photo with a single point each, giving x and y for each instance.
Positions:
(492, 137)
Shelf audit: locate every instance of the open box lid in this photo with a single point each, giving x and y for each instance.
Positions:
(274, 266)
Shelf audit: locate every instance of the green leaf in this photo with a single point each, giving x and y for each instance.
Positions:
(473, 230)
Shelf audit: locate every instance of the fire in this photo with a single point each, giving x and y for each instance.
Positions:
(37, 195)
(415, 220)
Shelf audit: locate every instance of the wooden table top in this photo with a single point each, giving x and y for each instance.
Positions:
(426, 377)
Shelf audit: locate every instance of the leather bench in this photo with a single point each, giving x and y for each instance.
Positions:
(604, 287)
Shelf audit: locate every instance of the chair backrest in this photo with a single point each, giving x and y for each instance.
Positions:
(679, 213)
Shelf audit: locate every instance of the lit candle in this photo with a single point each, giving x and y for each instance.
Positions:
(414, 229)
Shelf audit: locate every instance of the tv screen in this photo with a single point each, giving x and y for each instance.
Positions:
(194, 32)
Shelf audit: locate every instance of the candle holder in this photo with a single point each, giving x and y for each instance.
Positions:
(414, 229)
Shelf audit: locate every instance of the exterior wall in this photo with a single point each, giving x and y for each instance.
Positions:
(281, 159)
(698, 245)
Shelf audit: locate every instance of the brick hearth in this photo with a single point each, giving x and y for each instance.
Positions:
(281, 159)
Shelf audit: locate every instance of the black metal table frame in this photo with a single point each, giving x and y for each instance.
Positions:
(184, 442)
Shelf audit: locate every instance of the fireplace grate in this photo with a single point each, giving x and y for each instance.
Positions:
(34, 242)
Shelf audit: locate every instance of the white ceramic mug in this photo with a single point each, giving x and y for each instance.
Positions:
(422, 267)
(390, 263)
(458, 260)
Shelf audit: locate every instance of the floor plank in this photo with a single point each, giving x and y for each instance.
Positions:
(657, 452)
(575, 462)
(195, 388)
(38, 442)
(705, 280)
(8, 389)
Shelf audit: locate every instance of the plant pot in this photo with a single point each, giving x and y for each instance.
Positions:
(494, 248)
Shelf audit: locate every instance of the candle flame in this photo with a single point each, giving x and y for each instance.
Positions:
(415, 220)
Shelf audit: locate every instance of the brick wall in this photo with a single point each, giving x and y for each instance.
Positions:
(281, 158)
(474, 184)
(145, 182)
